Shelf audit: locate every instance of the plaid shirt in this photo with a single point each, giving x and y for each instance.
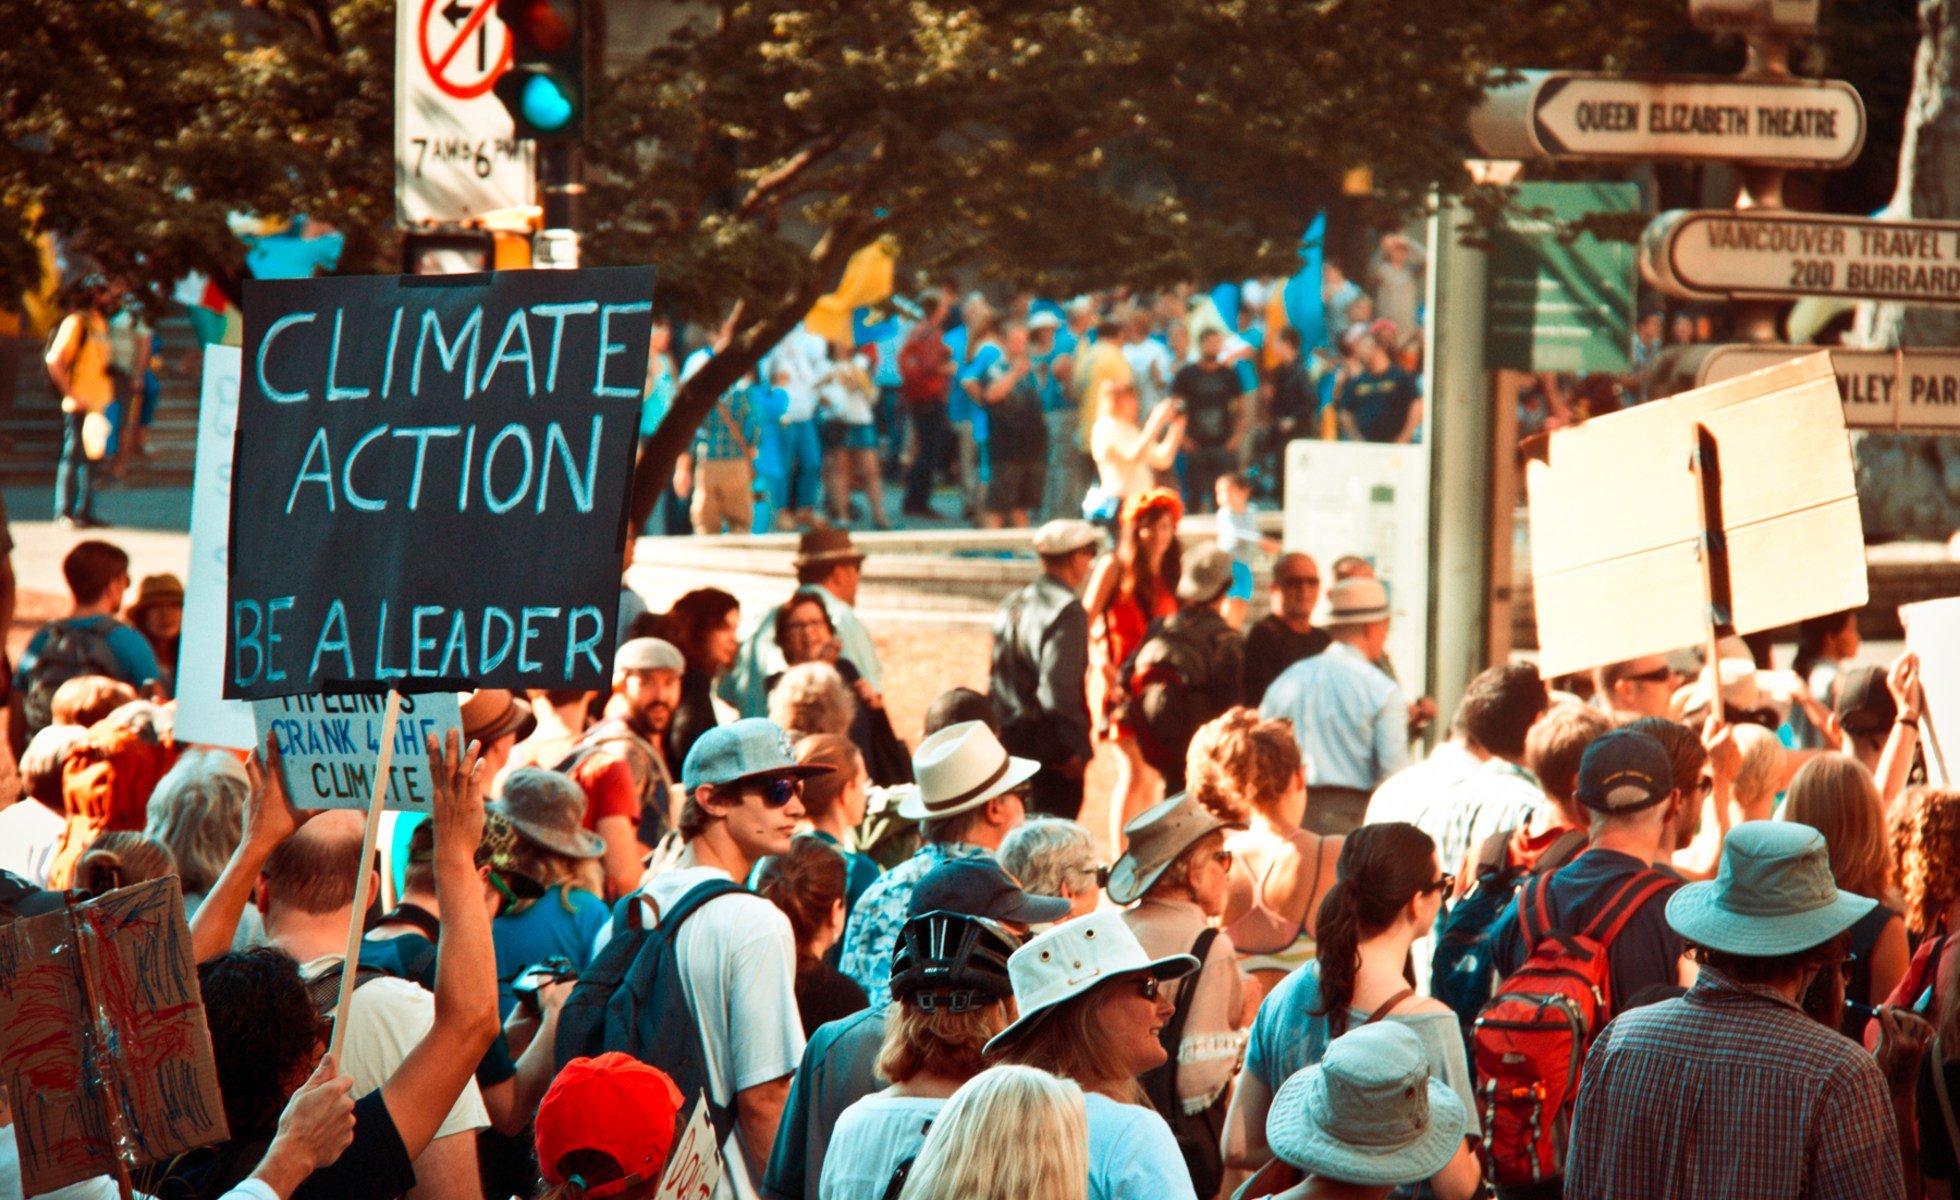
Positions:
(883, 910)
(1731, 1091)
(713, 441)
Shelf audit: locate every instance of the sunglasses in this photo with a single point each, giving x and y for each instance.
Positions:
(1149, 986)
(775, 792)
(1444, 883)
(1101, 872)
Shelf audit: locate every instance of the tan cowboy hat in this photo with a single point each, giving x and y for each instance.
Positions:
(960, 768)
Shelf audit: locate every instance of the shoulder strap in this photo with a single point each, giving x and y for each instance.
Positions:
(1945, 1097)
(1616, 912)
(696, 898)
(1492, 854)
(1388, 1005)
(1313, 889)
(1533, 911)
(1569, 846)
(1173, 1032)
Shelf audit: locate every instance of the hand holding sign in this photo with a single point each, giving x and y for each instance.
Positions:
(458, 801)
(316, 1127)
(270, 817)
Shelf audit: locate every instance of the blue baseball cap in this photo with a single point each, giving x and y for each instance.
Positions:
(747, 749)
(1623, 771)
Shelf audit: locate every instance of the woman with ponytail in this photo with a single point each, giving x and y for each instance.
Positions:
(1387, 888)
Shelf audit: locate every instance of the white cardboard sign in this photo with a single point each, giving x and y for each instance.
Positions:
(203, 714)
(694, 1167)
(1933, 633)
(329, 744)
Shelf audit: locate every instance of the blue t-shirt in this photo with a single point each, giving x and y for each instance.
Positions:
(961, 406)
(1132, 1154)
(543, 930)
(136, 663)
(1289, 1035)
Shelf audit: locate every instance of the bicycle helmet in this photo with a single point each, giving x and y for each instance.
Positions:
(950, 962)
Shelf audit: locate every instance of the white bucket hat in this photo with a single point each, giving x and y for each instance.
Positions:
(960, 768)
(1369, 1112)
(1064, 962)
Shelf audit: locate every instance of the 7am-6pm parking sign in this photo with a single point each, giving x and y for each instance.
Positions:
(456, 157)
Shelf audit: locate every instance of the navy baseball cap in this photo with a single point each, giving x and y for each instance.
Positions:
(1624, 771)
(747, 749)
(981, 887)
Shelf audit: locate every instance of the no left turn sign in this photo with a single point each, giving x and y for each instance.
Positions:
(462, 49)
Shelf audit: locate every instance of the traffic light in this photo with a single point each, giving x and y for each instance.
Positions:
(545, 86)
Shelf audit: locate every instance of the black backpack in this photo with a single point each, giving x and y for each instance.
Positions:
(1198, 1134)
(71, 649)
(1184, 674)
(630, 999)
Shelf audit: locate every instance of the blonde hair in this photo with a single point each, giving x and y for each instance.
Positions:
(1762, 764)
(1835, 795)
(1009, 1133)
(1239, 761)
(812, 698)
(1929, 857)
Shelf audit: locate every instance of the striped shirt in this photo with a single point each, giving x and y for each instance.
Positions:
(1731, 1091)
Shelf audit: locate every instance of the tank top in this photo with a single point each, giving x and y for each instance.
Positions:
(1268, 941)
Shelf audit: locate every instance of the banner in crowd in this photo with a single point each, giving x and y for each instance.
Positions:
(203, 714)
(694, 1167)
(438, 482)
(328, 747)
(1617, 518)
(1933, 633)
(102, 1037)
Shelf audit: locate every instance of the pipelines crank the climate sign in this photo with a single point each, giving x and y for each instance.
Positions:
(431, 480)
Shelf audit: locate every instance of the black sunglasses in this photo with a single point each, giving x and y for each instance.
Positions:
(1443, 884)
(775, 792)
(1149, 986)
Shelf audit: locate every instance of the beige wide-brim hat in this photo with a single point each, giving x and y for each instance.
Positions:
(960, 768)
(1773, 894)
(1369, 1112)
(1062, 963)
(1156, 837)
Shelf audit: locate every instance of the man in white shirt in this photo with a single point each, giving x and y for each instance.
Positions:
(737, 952)
(797, 365)
(306, 892)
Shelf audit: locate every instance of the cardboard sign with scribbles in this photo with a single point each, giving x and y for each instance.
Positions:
(694, 1167)
(1617, 521)
(102, 1037)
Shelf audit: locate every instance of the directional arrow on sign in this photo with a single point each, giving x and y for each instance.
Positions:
(1763, 255)
(1591, 117)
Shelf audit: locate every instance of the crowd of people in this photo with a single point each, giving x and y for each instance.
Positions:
(1038, 410)
(1661, 929)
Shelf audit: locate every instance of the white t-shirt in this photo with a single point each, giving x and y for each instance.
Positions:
(870, 1139)
(803, 359)
(1132, 1154)
(738, 962)
(1120, 476)
(386, 1018)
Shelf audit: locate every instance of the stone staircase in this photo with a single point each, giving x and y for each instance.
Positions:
(30, 429)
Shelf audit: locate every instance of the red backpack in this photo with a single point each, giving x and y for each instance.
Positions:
(922, 377)
(1529, 1042)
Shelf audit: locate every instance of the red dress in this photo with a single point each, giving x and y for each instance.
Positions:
(1123, 625)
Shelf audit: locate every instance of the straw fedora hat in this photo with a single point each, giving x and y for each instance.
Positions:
(960, 768)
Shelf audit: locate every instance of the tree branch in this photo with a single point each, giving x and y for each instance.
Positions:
(775, 181)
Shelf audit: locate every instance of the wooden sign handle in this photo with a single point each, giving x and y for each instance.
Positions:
(390, 718)
(1707, 473)
(101, 1062)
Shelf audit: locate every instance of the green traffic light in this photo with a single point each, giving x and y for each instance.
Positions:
(545, 104)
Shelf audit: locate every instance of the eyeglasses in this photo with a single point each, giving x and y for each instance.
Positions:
(1101, 872)
(1444, 883)
(1148, 986)
(775, 792)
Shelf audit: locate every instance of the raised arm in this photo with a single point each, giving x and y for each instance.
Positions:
(421, 1091)
(269, 819)
(1895, 761)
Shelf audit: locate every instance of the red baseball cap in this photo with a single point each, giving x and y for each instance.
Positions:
(614, 1104)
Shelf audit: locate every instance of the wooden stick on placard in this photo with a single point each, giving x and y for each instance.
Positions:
(390, 717)
(100, 1063)
(1933, 740)
(1714, 576)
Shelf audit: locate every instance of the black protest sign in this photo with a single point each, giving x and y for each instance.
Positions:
(432, 480)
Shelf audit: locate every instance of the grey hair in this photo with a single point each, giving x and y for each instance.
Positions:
(1045, 852)
(812, 698)
(198, 810)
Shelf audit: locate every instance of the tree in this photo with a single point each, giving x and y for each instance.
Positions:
(133, 128)
(759, 144)
(1910, 484)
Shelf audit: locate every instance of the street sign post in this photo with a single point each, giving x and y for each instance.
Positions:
(1760, 255)
(1578, 116)
(1909, 390)
(456, 157)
